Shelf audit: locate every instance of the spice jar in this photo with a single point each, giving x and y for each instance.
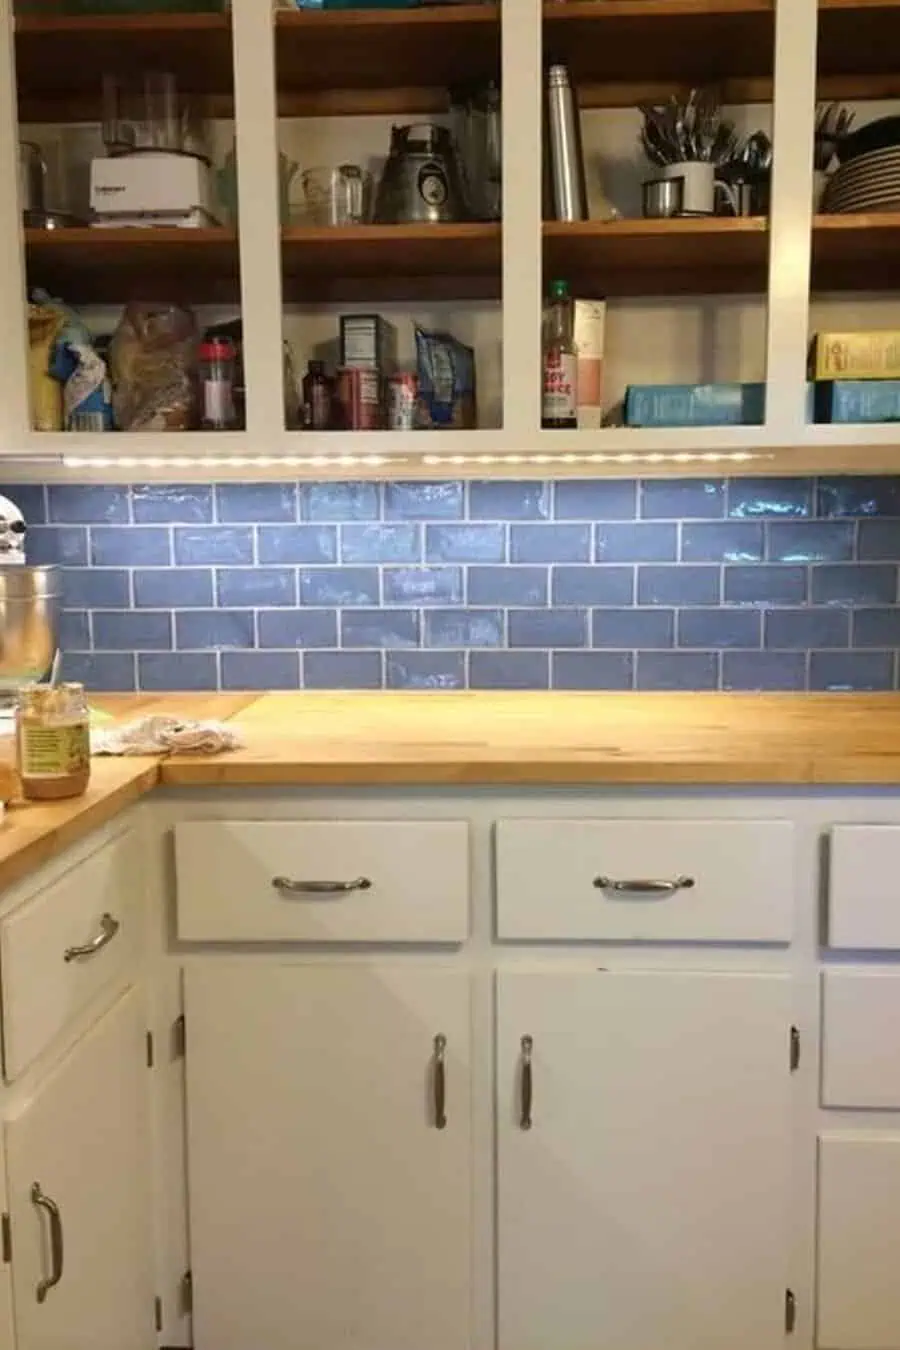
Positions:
(217, 372)
(53, 743)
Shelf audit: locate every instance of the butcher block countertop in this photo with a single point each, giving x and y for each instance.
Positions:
(472, 739)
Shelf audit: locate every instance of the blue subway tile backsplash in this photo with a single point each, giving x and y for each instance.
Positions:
(744, 584)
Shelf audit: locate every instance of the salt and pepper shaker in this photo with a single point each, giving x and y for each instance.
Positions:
(568, 191)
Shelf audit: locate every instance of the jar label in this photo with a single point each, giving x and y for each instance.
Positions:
(54, 752)
(560, 384)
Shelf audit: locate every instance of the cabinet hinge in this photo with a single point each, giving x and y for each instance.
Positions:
(179, 1037)
(187, 1292)
(157, 1313)
(795, 1049)
(5, 1239)
(790, 1311)
(149, 1049)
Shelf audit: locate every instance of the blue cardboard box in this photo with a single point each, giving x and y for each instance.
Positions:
(694, 405)
(858, 401)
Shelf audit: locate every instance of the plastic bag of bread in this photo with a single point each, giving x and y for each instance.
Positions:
(45, 322)
(153, 361)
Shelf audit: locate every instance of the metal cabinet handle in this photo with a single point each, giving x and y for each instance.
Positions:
(643, 886)
(289, 887)
(42, 1201)
(440, 1083)
(526, 1083)
(108, 929)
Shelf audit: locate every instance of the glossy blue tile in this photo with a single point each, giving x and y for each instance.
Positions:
(340, 501)
(74, 505)
(876, 627)
(256, 502)
(502, 500)
(509, 670)
(677, 670)
(173, 588)
(423, 501)
(879, 540)
(641, 542)
(130, 546)
(808, 541)
(596, 499)
(625, 628)
(463, 628)
(342, 670)
(213, 544)
(214, 629)
(64, 544)
(252, 587)
(426, 670)
(179, 671)
(765, 584)
(132, 630)
(680, 584)
(731, 541)
(597, 584)
(849, 671)
(854, 584)
(550, 543)
(548, 627)
(297, 543)
(338, 587)
(30, 498)
(90, 588)
(593, 670)
(172, 504)
(854, 496)
(101, 672)
(804, 629)
(422, 585)
(507, 585)
(381, 543)
(465, 543)
(751, 498)
(260, 670)
(719, 628)
(74, 632)
(683, 499)
(298, 628)
(380, 628)
(764, 670)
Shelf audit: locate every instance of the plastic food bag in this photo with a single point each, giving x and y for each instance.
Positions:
(153, 358)
(45, 322)
(446, 372)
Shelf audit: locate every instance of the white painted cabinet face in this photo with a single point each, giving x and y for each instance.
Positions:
(646, 1204)
(861, 1039)
(83, 1141)
(326, 1207)
(6, 1323)
(864, 887)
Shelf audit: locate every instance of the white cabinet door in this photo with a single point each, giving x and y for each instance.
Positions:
(646, 1204)
(83, 1140)
(6, 1324)
(859, 1242)
(326, 1207)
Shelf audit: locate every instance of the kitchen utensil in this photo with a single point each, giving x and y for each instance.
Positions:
(662, 197)
(420, 181)
(833, 123)
(338, 196)
(29, 618)
(687, 130)
(699, 187)
(568, 190)
(870, 182)
(475, 115)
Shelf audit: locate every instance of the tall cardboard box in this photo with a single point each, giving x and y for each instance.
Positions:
(590, 333)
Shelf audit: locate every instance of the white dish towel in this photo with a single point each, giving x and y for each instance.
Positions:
(160, 735)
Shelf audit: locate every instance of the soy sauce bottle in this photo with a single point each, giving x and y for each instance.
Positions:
(559, 400)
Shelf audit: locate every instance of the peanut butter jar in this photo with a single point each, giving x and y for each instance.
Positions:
(53, 741)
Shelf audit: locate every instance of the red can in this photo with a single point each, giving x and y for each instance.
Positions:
(403, 389)
(359, 396)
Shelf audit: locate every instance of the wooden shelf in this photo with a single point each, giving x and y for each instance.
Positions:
(61, 60)
(392, 262)
(856, 253)
(103, 266)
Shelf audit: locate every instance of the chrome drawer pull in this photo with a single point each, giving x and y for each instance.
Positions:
(108, 929)
(289, 887)
(42, 1201)
(526, 1083)
(642, 886)
(440, 1083)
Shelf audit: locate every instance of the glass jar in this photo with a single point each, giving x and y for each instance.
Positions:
(53, 742)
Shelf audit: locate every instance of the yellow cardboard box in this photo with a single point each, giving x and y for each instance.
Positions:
(867, 355)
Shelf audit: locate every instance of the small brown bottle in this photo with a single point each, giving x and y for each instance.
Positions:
(318, 398)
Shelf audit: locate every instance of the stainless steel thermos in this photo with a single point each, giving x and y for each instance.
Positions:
(568, 192)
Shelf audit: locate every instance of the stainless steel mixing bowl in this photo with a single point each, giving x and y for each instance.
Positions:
(29, 623)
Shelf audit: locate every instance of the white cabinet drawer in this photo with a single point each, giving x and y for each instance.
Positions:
(322, 881)
(864, 887)
(45, 981)
(861, 1039)
(703, 880)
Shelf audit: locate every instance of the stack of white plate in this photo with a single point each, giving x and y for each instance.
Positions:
(870, 182)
